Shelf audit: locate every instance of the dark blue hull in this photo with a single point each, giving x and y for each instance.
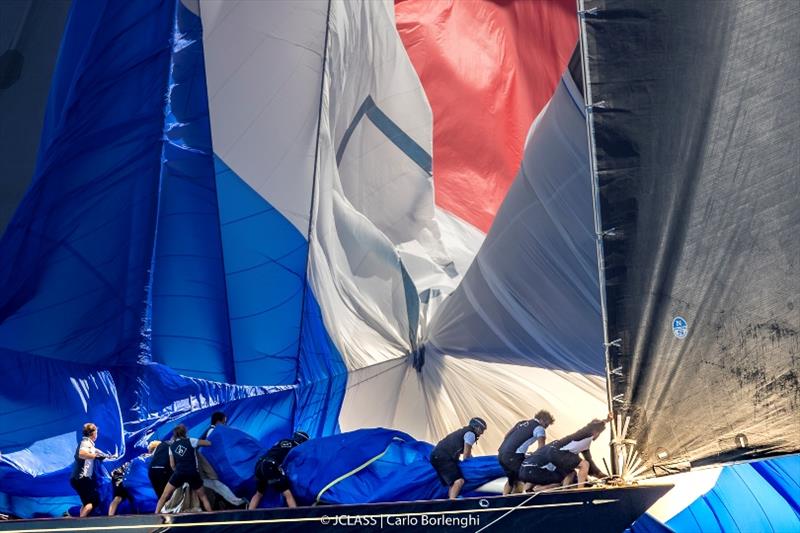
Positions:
(599, 510)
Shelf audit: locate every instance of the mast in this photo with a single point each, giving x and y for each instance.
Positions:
(600, 234)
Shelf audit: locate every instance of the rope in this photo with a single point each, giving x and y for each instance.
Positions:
(532, 496)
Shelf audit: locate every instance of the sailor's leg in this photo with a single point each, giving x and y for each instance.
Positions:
(168, 490)
(112, 508)
(455, 488)
(203, 499)
(255, 501)
(583, 472)
(290, 502)
(527, 487)
(539, 488)
(569, 479)
(507, 488)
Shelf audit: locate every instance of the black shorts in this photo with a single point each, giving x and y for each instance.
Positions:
(270, 476)
(159, 477)
(87, 490)
(120, 491)
(532, 473)
(447, 468)
(565, 462)
(511, 463)
(193, 479)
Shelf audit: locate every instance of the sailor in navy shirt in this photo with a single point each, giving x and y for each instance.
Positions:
(516, 443)
(444, 457)
(84, 470)
(269, 470)
(159, 470)
(183, 460)
(555, 464)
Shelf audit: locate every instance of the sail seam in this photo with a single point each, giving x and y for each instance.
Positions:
(230, 361)
(313, 191)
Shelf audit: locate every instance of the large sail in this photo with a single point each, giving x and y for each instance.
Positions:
(694, 127)
(226, 197)
(234, 210)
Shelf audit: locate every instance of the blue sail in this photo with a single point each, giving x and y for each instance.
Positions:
(126, 250)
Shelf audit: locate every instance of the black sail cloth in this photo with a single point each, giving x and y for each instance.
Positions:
(695, 124)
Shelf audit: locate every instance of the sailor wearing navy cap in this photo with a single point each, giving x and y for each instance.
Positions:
(444, 458)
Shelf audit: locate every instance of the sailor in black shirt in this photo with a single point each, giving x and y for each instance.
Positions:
(183, 460)
(444, 457)
(555, 464)
(118, 477)
(269, 470)
(516, 443)
(159, 471)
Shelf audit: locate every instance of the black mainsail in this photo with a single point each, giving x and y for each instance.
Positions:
(694, 130)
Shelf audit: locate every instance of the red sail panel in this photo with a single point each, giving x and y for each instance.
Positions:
(488, 68)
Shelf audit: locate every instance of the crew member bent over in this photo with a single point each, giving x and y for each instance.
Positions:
(555, 464)
(118, 477)
(444, 457)
(269, 470)
(183, 460)
(516, 443)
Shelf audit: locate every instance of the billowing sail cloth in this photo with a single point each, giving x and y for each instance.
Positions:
(160, 268)
(695, 156)
(233, 209)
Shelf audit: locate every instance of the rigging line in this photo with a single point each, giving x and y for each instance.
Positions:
(356, 470)
(556, 489)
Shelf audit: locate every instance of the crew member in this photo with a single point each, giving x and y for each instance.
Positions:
(269, 470)
(183, 460)
(118, 477)
(516, 443)
(159, 471)
(444, 458)
(555, 464)
(217, 418)
(84, 471)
